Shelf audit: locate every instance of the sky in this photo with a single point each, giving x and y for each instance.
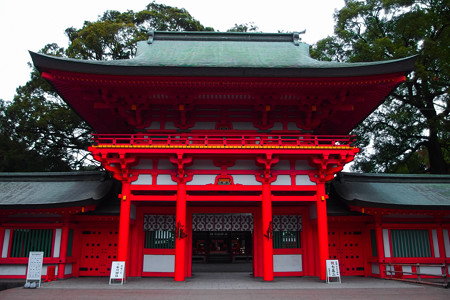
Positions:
(31, 24)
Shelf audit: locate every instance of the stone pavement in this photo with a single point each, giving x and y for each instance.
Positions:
(228, 286)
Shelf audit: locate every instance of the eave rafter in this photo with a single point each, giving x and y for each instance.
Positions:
(130, 99)
(406, 212)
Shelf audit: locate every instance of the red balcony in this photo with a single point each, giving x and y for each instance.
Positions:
(188, 140)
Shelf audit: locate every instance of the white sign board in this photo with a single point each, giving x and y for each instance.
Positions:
(34, 270)
(333, 270)
(117, 272)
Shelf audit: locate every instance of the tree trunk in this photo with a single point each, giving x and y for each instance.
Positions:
(437, 161)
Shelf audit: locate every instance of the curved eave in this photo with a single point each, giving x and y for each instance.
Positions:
(45, 63)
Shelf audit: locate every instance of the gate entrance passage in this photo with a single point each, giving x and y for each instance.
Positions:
(222, 242)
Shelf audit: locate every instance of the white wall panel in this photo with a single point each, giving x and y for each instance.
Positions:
(57, 243)
(287, 263)
(165, 179)
(143, 179)
(386, 244)
(303, 180)
(159, 263)
(282, 180)
(6, 243)
(246, 180)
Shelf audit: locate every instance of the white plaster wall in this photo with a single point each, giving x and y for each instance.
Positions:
(143, 179)
(165, 179)
(282, 165)
(154, 125)
(243, 126)
(282, 180)
(287, 263)
(407, 269)
(204, 126)
(446, 243)
(57, 244)
(244, 165)
(292, 126)
(21, 270)
(144, 164)
(302, 165)
(435, 243)
(6, 243)
(68, 269)
(431, 270)
(165, 164)
(203, 164)
(245, 180)
(13, 269)
(170, 125)
(386, 244)
(375, 268)
(303, 180)
(277, 126)
(159, 263)
(202, 180)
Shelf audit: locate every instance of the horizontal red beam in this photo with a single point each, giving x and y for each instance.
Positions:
(223, 198)
(225, 140)
(228, 188)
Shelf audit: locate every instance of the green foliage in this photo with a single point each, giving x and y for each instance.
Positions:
(244, 27)
(38, 131)
(114, 35)
(410, 132)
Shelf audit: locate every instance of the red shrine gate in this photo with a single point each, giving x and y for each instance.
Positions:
(223, 123)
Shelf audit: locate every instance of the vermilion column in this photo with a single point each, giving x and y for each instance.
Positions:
(322, 229)
(267, 232)
(63, 250)
(180, 235)
(124, 224)
(380, 246)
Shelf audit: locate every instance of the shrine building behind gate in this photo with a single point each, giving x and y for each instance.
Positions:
(223, 144)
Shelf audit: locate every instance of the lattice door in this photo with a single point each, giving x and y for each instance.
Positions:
(98, 250)
(347, 247)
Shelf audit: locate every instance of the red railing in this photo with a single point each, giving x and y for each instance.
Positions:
(188, 139)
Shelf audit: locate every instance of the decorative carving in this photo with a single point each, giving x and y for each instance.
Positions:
(179, 231)
(269, 232)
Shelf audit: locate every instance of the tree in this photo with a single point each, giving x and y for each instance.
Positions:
(244, 27)
(410, 131)
(38, 131)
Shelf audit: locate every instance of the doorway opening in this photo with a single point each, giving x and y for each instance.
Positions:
(222, 243)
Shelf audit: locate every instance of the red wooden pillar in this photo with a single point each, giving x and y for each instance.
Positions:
(380, 246)
(124, 225)
(180, 235)
(267, 232)
(322, 229)
(64, 245)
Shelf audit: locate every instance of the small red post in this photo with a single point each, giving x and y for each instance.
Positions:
(180, 231)
(380, 246)
(124, 224)
(64, 244)
(267, 232)
(322, 229)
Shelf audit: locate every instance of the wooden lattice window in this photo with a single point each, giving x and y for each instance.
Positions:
(160, 239)
(286, 239)
(26, 240)
(411, 243)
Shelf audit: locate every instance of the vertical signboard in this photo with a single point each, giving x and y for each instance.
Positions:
(117, 272)
(333, 271)
(34, 270)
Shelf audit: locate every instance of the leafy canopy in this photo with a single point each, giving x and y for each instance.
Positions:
(38, 131)
(409, 133)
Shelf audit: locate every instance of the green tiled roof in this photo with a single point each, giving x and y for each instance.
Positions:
(62, 189)
(223, 54)
(393, 190)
